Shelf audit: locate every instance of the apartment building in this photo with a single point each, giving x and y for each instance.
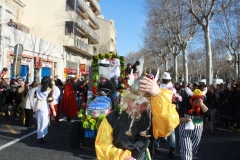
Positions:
(57, 36)
(25, 64)
(68, 23)
(107, 34)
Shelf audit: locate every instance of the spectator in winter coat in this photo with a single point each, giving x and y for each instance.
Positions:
(211, 103)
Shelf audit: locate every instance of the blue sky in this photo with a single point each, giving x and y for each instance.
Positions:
(129, 18)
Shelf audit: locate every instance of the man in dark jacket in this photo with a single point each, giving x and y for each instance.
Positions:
(58, 82)
(105, 83)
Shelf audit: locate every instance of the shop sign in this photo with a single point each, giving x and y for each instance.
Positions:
(70, 70)
(25, 61)
(82, 67)
(86, 72)
(46, 64)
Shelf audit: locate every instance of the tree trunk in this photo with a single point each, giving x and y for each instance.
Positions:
(175, 68)
(185, 66)
(166, 64)
(236, 68)
(209, 68)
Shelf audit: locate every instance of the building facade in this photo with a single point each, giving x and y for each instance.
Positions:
(38, 56)
(57, 36)
(107, 34)
(68, 23)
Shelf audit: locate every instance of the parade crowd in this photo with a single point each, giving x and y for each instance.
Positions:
(20, 99)
(145, 105)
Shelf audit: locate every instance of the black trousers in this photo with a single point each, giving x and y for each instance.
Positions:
(29, 117)
(69, 119)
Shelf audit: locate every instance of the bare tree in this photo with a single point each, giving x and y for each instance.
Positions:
(219, 51)
(203, 11)
(197, 65)
(229, 23)
(177, 27)
(183, 29)
(155, 38)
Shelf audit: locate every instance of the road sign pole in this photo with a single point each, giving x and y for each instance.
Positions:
(18, 49)
(15, 63)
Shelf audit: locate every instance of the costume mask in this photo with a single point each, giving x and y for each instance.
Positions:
(134, 114)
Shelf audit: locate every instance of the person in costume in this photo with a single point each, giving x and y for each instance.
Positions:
(115, 72)
(69, 106)
(55, 96)
(28, 105)
(20, 94)
(44, 100)
(167, 84)
(190, 136)
(124, 134)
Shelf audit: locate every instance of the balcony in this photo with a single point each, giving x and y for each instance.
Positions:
(87, 13)
(95, 7)
(93, 21)
(83, 9)
(78, 45)
(81, 27)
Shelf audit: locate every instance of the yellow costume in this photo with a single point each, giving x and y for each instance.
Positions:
(111, 142)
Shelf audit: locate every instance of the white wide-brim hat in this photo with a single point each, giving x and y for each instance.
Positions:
(166, 75)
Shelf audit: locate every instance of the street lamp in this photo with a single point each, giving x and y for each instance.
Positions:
(228, 58)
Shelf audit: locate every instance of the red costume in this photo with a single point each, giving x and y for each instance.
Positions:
(57, 112)
(69, 105)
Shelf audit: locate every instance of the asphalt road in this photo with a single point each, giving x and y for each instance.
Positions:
(19, 143)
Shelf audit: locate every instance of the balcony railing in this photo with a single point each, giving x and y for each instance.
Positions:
(88, 30)
(81, 45)
(97, 6)
(84, 5)
(83, 25)
(96, 36)
(92, 16)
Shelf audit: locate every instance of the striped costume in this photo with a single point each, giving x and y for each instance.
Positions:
(190, 138)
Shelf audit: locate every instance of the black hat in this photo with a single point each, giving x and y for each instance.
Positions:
(5, 69)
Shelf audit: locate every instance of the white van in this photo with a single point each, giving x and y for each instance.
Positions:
(216, 81)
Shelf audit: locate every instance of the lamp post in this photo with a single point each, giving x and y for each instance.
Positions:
(236, 62)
